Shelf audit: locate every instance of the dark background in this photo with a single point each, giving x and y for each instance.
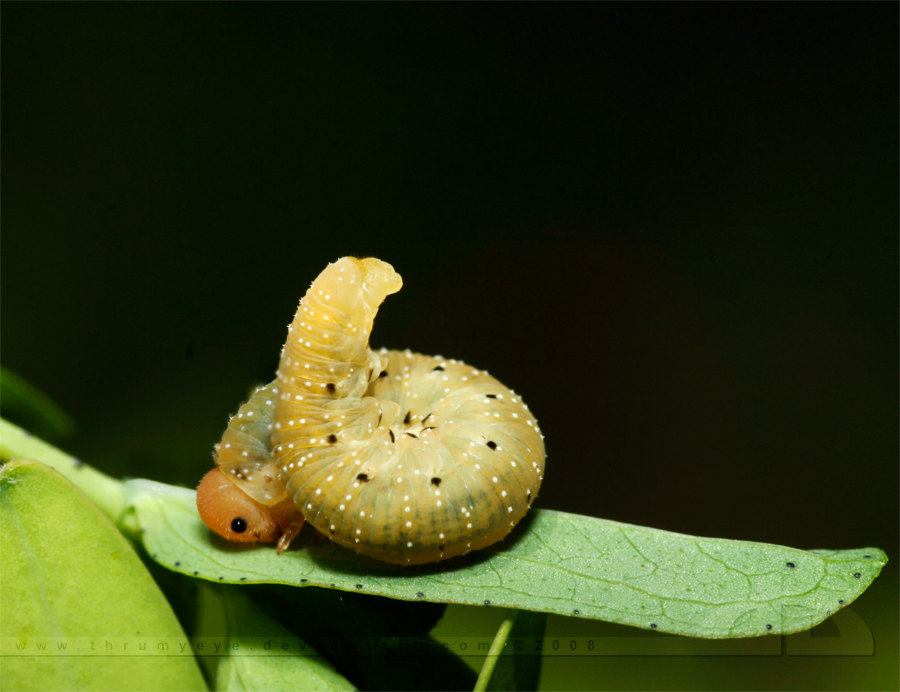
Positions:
(672, 228)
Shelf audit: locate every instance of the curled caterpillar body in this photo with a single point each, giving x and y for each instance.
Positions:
(402, 457)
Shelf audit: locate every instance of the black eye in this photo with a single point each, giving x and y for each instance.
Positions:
(239, 525)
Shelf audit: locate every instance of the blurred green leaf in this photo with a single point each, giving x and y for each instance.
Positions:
(516, 667)
(258, 653)
(24, 403)
(553, 562)
(72, 584)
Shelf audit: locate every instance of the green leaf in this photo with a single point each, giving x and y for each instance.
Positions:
(256, 652)
(107, 493)
(514, 667)
(553, 562)
(25, 403)
(72, 584)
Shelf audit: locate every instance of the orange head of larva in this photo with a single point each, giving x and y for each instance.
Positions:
(233, 514)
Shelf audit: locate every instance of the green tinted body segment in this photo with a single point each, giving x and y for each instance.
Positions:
(245, 452)
(402, 457)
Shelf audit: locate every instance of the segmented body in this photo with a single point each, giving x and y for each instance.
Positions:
(402, 457)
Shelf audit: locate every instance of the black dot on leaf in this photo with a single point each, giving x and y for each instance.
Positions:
(868, 557)
(303, 581)
(652, 625)
(576, 612)
(359, 586)
(178, 564)
(841, 602)
(768, 627)
(196, 573)
(420, 595)
(487, 602)
(221, 578)
(243, 578)
(857, 575)
(791, 565)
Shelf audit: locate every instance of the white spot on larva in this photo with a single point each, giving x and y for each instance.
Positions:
(342, 507)
(362, 513)
(510, 509)
(318, 491)
(409, 545)
(408, 524)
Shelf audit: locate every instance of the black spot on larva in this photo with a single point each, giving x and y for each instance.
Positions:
(369, 376)
(841, 602)
(330, 387)
(426, 418)
(380, 414)
(332, 531)
(407, 418)
(791, 565)
(441, 547)
(428, 428)
(392, 435)
(652, 625)
(486, 602)
(362, 477)
(359, 586)
(332, 439)
(383, 374)
(492, 444)
(411, 435)
(439, 367)
(768, 627)
(491, 396)
(576, 612)
(529, 497)
(239, 525)
(857, 575)
(436, 481)
(178, 564)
